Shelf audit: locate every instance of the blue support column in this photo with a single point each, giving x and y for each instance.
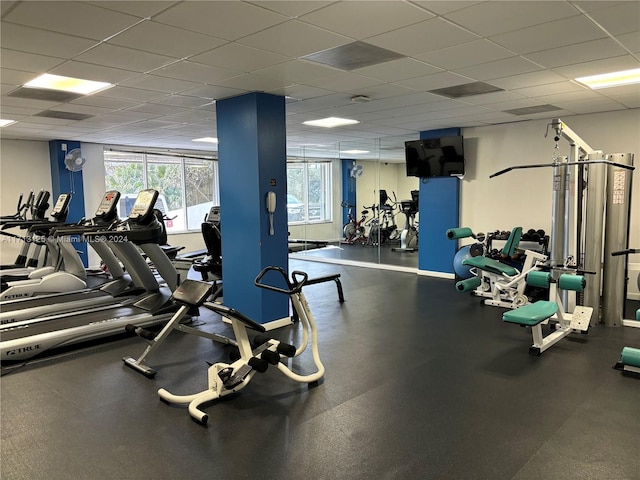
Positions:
(252, 158)
(348, 189)
(65, 181)
(439, 209)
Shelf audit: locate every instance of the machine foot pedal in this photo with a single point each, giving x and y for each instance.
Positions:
(232, 379)
(580, 318)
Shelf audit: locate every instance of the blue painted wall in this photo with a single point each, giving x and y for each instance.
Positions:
(439, 210)
(348, 189)
(252, 162)
(65, 181)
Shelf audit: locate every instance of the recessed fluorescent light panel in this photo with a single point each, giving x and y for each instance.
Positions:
(67, 84)
(355, 152)
(330, 122)
(613, 79)
(4, 123)
(206, 139)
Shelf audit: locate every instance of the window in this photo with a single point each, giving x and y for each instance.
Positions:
(188, 186)
(309, 191)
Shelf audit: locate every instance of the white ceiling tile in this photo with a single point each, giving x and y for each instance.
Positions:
(33, 40)
(395, 70)
(16, 77)
(159, 84)
(491, 18)
(139, 8)
(104, 102)
(297, 71)
(308, 39)
(344, 82)
(624, 62)
(90, 71)
(28, 103)
(125, 58)
(592, 106)
(445, 6)
(27, 61)
(156, 109)
(317, 103)
(561, 99)
(289, 8)
(422, 37)
(127, 93)
(16, 110)
(85, 109)
(375, 17)
(494, 97)
(629, 100)
(80, 19)
(300, 92)
(165, 40)
(593, 5)
(579, 53)
(6, 88)
(251, 82)
(466, 54)
(499, 68)
(437, 80)
(239, 57)
(213, 92)
(223, 19)
(566, 31)
(129, 115)
(631, 41)
(618, 19)
(540, 77)
(549, 89)
(195, 72)
(182, 101)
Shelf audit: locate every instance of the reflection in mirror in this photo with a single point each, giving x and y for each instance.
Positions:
(344, 203)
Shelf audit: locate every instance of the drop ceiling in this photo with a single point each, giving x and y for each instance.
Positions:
(170, 61)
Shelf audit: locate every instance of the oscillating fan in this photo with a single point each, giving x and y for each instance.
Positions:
(74, 161)
(356, 171)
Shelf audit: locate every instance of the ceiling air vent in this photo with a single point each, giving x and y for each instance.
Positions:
(63, 115)
(531, 110)
(353, 55)
(44, 94)
(466, 90)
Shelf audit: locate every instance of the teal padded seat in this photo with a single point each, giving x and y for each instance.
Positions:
(531, 314)
(490, 265)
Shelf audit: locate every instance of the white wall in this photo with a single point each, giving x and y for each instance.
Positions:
(24, 166)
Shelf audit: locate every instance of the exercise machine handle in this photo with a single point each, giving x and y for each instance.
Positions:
(629, 251)
(294, 287)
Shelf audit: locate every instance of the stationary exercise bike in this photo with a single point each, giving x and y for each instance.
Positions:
(409, 235)
(228, 378)
(353, 230)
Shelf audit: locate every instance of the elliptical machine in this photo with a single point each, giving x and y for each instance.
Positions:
(409, 235)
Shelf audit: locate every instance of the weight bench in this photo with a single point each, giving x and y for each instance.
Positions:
(313, 281)
(536, 314)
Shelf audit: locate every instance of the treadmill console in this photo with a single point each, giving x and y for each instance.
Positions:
(108, 206)
(143, 208)
(214, 215)
(60, 209)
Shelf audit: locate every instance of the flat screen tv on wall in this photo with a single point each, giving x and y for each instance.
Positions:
(436, 157)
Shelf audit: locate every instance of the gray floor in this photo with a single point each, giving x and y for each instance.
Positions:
(421, 383)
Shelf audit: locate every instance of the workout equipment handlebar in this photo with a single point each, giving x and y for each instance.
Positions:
(294, 287)
(563, 164)
(629, 251)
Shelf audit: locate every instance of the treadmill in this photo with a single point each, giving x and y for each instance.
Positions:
(23, 340)
(109, 293)
(37, 206)
(37, 233)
